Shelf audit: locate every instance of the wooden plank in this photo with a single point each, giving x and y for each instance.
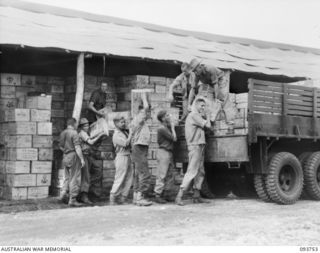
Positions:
(265, 99)
(298, 102)
(267, 83)
(267, 88)
(265, 109)
(266, 104)
(300, 92)
(298, 97)
(266, 94)
(300, 108)
(301, 113)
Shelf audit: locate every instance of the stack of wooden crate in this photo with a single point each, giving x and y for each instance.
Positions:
(26, 156)
(239, 123)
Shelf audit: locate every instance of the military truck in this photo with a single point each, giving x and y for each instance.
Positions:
(280, 151)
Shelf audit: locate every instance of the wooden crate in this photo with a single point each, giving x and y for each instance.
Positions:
(44, 179)
(28, 81)
(45, 154)
(13, 193)
(23, 128)
(18, 141)
(158, 80)
(22, 154)
(58, 113)
(57, 97)
(55, 88)
(7, 103)
(58, 125)
(7, 91)
(42, 80)
(40, 115)
(57, 105)
(15, 114)
(21, 180)
(134, 81)
(10, 79)
(39, 102)
(56, 80)
(160, 89)
(44, 128)
(38, 192)
(16, 167)
(42, 141)
(41, 166)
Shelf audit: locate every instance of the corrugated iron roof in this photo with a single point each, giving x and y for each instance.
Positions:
(39, 26)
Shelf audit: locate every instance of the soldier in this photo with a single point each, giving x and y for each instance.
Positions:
(124, 173)
(207, 75)
(86, 143)
(166, 137)
(72, 162)
(140, 143)
(186, 80)
(195, 137)
(97, 101)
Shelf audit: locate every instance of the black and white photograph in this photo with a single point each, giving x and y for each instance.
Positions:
(175, 123)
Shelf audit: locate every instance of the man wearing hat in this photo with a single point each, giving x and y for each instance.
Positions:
(205, 74)
(185, 80)
(86, 143)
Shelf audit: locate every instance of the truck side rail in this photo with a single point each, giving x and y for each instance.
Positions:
(283, 110)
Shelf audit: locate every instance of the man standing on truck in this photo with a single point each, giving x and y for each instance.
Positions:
(215, 88)
(195, 137)
(97, 101)
(72, 162)
(186, 81)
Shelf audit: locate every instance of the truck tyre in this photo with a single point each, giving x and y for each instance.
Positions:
(311, 172)
(303, 158)
(260, 186)
(285, 178)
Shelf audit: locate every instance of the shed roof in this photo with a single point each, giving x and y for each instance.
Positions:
(42, 26)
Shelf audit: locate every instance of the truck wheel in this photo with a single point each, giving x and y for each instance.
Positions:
(285, 179)
(312, 175)
(303, 158)
(260, 186)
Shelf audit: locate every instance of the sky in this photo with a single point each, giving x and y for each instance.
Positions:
(295, 22)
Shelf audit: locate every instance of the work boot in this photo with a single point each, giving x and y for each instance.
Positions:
(134, 199)
(74, 203)
(64, 198)
(112, 199)
(141, 201)
(85, 199)
(197, 199)
(159, 200)
(178, 200)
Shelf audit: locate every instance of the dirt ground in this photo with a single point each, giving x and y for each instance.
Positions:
(226, 221)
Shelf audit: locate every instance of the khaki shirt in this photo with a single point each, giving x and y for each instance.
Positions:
(141, 132)
(185, 82)
(68, 140)
(194, 129)
(210, 75)
(120, 143)
(84, 137)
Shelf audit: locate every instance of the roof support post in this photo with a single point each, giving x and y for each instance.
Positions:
(80, 87)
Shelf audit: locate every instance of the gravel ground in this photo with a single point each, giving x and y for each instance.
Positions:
(222, 222)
